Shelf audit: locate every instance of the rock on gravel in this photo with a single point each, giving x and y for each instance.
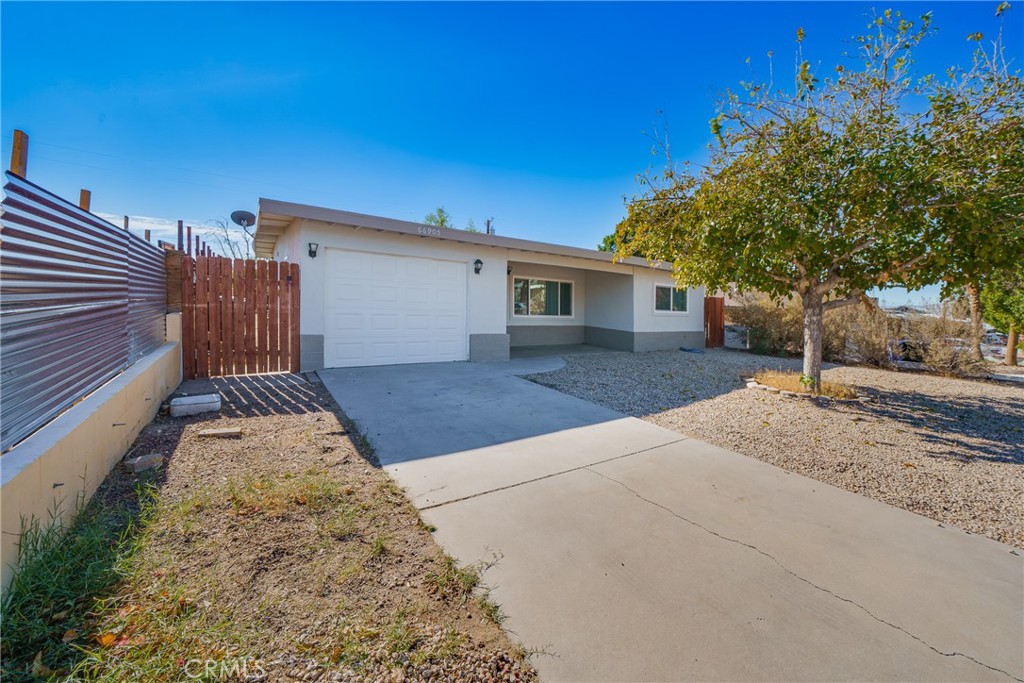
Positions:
(949, 449)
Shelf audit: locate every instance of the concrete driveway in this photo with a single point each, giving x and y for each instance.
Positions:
(632, 553)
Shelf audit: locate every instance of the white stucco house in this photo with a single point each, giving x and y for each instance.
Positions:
(380, 291)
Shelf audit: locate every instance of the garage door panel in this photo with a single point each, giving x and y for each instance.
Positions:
(384, 309)
(347, 322)
(417, 322)
(349, 291)
(417, 295)
(347, 351)
(384, 294)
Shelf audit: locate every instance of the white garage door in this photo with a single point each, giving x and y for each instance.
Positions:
(381, 309)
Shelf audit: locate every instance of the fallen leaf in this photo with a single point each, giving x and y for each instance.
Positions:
(40, 670)
(69, 635)
(59, 615)
(106, 639)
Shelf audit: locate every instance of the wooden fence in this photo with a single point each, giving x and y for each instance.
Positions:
(714, 321)
(239, 317)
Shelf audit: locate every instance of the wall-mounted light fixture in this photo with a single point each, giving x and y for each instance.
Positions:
(477, 266)
(313, 246)
(509, 271)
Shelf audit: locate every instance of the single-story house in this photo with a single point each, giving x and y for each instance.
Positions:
(377, 291)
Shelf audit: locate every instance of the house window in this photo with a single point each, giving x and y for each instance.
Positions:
(541, 297)
(669, 299)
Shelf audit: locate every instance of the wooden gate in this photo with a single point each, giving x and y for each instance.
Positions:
(714, 321)
(239, 317)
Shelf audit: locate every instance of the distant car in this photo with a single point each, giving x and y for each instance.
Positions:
(994, 339)
(906, 349)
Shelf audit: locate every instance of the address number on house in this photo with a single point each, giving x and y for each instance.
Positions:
(427, 230)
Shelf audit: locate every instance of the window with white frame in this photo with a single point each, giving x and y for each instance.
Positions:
(669, 299)
(541, 297)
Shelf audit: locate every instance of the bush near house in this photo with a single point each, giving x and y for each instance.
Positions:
(861, 334)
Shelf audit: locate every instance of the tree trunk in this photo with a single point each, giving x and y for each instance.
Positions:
(814, 322)
(974, 301)
(1011, 346)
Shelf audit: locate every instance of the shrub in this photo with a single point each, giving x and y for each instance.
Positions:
(858, 333)
(943, 341)
(772, 328)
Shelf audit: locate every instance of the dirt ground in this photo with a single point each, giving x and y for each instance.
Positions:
(287, 555)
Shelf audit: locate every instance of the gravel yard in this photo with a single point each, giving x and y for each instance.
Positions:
(952, 450)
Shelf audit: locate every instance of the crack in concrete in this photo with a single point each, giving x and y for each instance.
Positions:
(548, 476)
(801, 578)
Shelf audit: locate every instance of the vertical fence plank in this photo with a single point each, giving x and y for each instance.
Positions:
(202, 318)
(215, 324)
(188, 321)
(250, 316)
(226, 319)
(293, 322)
(261, 316)
(238, 313)
(282, 318)
(273, 310)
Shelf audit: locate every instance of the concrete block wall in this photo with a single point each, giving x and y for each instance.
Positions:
(66, 461)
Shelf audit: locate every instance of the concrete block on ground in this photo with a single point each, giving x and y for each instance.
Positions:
(227, 433)
(193, 405)
(144, 462)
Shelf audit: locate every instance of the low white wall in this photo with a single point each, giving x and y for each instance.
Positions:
(69, 458)
(646, 319)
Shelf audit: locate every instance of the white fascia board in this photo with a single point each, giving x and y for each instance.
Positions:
(360, 220)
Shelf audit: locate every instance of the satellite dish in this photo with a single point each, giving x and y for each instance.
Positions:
(243, 218)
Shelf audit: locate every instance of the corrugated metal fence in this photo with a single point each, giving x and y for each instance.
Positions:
(80, 301)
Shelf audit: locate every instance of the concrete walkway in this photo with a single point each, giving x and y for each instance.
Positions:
(632, 553)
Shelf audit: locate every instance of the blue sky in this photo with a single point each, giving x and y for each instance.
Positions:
(533, 113)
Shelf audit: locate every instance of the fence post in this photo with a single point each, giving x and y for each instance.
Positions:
(19, 154)
(84, 199)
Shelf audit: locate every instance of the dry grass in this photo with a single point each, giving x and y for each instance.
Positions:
(791, 381)
(284, 552)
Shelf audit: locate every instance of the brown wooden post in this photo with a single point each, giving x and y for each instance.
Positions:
(173, 268)
(146, 233)
(238, 315)
(262, 338)
(202, 317)
(227, 324)
(19, 154)
(126, 222)
(273, 313)
(84, 200)
(250, 317)
(188, 314)
(215, 321)
(188, 240)
(181, 237)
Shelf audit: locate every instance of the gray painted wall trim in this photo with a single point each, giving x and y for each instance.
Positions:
(667, 341)
(607, 338)
(485, 347)
(544, 335)
(311, 352)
